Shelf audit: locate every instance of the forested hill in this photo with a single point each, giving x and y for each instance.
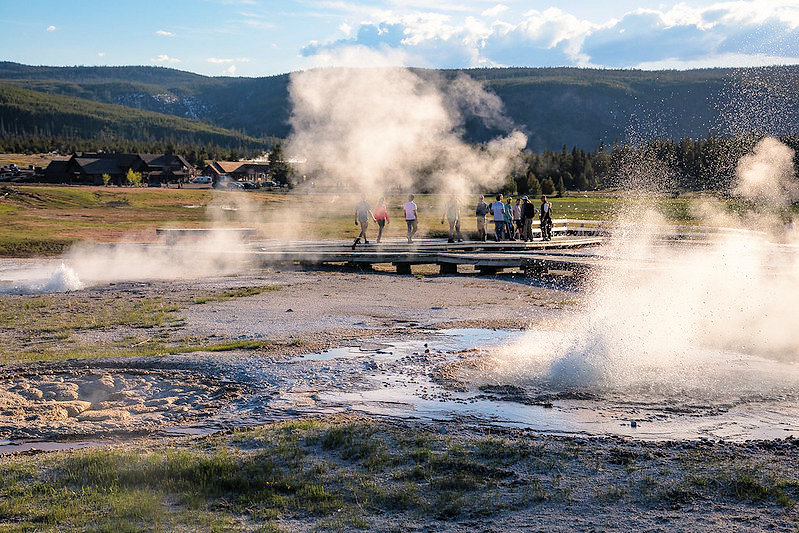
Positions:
(554, 106)
(25, 114)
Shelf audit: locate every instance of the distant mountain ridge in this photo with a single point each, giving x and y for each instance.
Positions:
(554, 106)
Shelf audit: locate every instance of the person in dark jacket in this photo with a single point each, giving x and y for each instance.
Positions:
(545, 217)
(528, 214)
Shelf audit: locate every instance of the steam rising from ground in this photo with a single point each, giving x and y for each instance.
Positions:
(683, 323)
(379, 129)
(216, 252)
(768, 173)
(89, 264)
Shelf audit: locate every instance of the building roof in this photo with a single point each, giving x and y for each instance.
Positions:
(57, 165)
(227, 166)
(164, 160)
(98, 166)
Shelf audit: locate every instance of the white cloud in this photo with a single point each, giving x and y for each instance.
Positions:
(163, 58)
(231, 70)
(50, 28)
(495, 11)
(165, 33)
(101, 54)
(747, 31)
(228, 60)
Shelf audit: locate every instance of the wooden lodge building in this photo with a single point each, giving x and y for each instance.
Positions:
(237, 170)
(89, 168)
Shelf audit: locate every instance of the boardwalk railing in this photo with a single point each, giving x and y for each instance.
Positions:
(582, 227)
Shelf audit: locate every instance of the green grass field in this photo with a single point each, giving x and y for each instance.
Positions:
(45, 220)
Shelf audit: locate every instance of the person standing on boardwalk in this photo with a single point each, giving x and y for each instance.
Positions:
(498, 209)
(545, 218)
(381, 216)
(528, 213)
(481, 211)
(508, 216)
(362, 216)
(517, 218)
(452, 212)
(411, 217)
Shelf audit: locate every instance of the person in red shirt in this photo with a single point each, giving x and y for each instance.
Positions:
(381, 216)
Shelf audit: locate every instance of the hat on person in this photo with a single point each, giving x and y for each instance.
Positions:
(524, 198)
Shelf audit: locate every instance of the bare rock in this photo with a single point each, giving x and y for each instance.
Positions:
(75, 407)
(103, 415)
(161, 402)
(60, 391)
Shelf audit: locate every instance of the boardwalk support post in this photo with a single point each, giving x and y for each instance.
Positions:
(403, 268)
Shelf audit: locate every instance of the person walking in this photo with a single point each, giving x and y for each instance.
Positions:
(362, 216)
(452, 212)
(411, 217)
(481, 211)
(545, 218)
(381, 216)
(498, 210)
(528, 213)
(508, 216)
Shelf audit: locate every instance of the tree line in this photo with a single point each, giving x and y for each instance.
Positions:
(662, 164)
(194, 154)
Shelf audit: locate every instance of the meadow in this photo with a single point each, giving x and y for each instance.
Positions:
(46, 220)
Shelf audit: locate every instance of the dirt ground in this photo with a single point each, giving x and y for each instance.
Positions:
(145, 401)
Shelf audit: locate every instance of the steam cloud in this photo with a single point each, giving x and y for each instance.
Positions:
(768, 173)
(377, 129)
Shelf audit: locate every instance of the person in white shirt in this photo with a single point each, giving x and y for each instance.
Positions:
(498, 209)
(411, 217)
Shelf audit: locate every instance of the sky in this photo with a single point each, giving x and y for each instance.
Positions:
(267, 37)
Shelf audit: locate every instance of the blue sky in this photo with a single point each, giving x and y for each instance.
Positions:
(265, 37)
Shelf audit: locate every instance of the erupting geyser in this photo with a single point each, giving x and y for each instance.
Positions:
(676, 326)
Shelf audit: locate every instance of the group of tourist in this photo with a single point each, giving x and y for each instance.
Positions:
(511, 221)
(514, 221)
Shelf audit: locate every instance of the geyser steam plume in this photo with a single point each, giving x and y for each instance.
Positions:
(694, 324)
(378, 129)
(768, 173)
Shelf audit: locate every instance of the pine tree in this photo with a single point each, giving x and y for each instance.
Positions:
(533, 185)
(279, 169)
(561, 187)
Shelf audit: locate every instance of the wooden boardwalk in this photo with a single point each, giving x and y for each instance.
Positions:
(486, 257)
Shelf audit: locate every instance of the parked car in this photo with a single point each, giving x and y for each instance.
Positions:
(202, 179)
(228, 184)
